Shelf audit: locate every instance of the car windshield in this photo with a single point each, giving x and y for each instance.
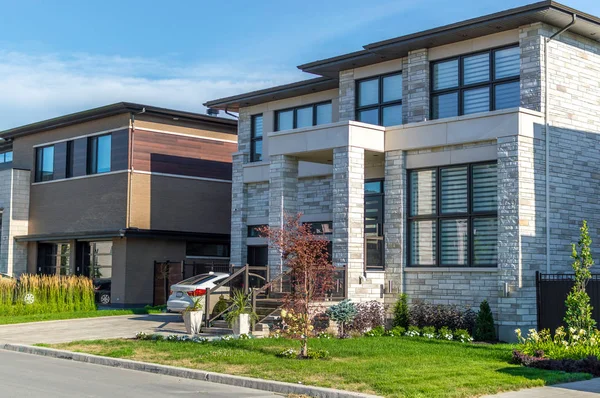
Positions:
(198, 279)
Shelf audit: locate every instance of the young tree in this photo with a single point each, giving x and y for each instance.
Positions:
(310, 270)
(579, 310)
(485, 330)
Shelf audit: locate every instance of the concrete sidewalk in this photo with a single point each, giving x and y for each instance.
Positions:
(110, 327)
(578, 389)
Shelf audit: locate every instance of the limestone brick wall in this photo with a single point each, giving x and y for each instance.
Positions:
(315, 195)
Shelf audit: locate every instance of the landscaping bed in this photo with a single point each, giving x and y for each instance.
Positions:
(388, 366)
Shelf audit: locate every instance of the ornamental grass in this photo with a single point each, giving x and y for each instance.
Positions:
(38, 294)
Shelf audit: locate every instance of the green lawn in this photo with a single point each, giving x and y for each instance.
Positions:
(389, 366)
(12, 319)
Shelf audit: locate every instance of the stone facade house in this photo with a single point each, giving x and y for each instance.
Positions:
(450, 164)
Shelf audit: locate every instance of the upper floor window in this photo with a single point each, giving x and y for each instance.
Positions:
(303, 116)
(379, 100)
(6, 157)
(452, 216)
(70, 163)
(256, 138)
(44, 163)
(99, 153)
(476, 83)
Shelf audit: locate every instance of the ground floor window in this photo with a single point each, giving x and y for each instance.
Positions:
(453, 218)
(54, 259)
(258, 255)
(374, 218)
(207, 249)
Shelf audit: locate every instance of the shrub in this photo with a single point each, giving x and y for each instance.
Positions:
(320, 322)
(318, 354)
(590, 364)
(377, 331)
(324, 335)
(369, 315)
(401, 312)
(463, 336)
(485, 330)
(413, 331)
(451, 316)
(343, 313)
(574, 344)
(288, 353)
(429, 332)
(396, 331)
(220, 306)
(445, 333)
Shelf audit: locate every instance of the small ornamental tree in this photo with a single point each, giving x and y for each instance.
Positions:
(306, 257)
(401, 311)
(579, 310)
(343, 314)
(485, 330)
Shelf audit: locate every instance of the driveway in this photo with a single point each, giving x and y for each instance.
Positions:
(110, 327)
(579, 389)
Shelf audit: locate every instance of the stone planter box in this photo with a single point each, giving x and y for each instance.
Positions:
(242, 324)
(193, 321)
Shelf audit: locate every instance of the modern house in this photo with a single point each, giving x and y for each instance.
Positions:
(450, 164)
(108, 191)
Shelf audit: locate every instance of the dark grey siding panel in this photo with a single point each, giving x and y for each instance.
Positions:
(79, 157)
(60, 160)
(119, 157)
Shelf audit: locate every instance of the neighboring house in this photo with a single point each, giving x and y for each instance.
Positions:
(108, 191)
(423, 156)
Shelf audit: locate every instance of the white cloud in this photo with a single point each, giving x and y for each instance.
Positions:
(37, 87)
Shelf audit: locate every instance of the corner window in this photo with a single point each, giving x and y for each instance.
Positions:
(44, 163)
(476, 83)
(6, 157)
(256, 138)
(453, 218)
(379, 100)
(99, 154)
(303, 116)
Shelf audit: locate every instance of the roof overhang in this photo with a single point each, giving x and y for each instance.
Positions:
(304, 87)
(112, 110)
(123, 233)
(548, 12)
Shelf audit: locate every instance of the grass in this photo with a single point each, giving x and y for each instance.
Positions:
(389, 366)
(12, 319)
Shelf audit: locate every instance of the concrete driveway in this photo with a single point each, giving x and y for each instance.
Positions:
(578, 389)
(110, 327)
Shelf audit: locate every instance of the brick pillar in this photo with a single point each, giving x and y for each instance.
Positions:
(239, 212)
(415, 87)
(521, 231)
(283, 198)
(347, 95)
(395, 228)
(348, 216)
(532, 66)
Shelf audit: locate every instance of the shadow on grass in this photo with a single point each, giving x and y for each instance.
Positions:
(549, 377)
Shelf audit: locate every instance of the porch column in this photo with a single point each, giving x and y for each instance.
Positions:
(283, 198)
(395, 228)
(348, 216)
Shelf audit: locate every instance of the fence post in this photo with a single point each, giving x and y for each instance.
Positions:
(207, 308)
(253, 309)
(538, 297)
(246, 280)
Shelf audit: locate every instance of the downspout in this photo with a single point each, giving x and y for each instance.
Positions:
(547, 130)
(231, 114)
(131, 140)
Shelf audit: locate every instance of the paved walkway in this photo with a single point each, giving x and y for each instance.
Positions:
(579, 389)
(110, 327)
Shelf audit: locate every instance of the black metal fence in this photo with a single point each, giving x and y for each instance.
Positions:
(552, 291)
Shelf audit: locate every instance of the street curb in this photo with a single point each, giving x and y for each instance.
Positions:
(238, 381)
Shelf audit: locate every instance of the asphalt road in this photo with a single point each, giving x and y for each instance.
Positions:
(25, 375)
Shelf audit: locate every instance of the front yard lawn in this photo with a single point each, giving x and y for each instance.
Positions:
(389, 366)
(12, 319)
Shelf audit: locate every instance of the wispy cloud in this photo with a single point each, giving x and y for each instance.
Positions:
(36, 87)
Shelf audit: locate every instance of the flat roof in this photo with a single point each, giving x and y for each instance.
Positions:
(111, 110)
(549, 12)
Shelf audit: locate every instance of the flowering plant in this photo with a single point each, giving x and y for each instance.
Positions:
(572, 343)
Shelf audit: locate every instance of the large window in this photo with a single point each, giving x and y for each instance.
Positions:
(258, 255)
(70, 163)
(476, 83)
(374, 243)
(453, 216)
(44, 163)
(99, 153)
(54, 259)
(100, 259)
(6, 157)
(303, 116)
(379, 100)
(256, 138)
(207, 249)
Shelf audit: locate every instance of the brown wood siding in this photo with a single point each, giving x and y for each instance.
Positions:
(179, 155)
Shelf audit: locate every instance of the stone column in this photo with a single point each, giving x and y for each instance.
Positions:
(415, 87)
(347, 94)
(283, 198)
(239, 212)
(394, 217)
(348, 216)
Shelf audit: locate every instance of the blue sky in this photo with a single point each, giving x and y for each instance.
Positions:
(65, 56)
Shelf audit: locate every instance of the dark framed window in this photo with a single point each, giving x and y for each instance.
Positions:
(379, 100)
(70, 159)
(207, 249)
(99, 154)
(253, 230)
(44, 163)
(256, 138)
(303, 116)
(478, 82)
(320, 227)
(258, 255)
(54, 259)
(6, 157)
(453, 216)
(374, 239)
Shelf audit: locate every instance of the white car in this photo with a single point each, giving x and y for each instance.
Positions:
(185, 292)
